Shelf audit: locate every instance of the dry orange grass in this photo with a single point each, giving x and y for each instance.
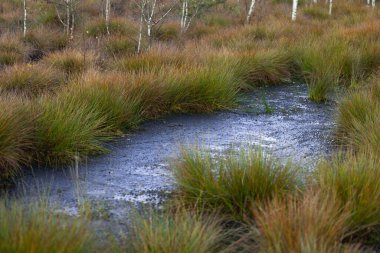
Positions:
(313, 223)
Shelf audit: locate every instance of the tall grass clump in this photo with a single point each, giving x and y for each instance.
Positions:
(11, 51)
(182, 231)
(98, 28)
(70, 62)
(362, 61)
(154, 59)
(16, 136)
(233, 183)
(30, 80)
(359, 119)
(110, 95)
(67, 129)
(316, 12)
(353, 180)
(43, 41)
(267, 68)
(120, 46)
(312, 223)
(168, 32)
(35, 228)
(200, 89)
(321, 64)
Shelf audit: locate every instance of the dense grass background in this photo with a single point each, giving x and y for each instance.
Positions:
(61, 99)
(113, 88)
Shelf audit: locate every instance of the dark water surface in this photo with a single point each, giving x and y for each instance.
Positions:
(280, 119)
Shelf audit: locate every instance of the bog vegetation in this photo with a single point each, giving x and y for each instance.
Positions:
(76, 74)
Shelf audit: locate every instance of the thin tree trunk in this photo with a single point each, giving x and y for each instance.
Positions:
(294, 10)
(67, 17)
(330, 7)
(25, 14)
(108, 9)
(141, 28)
(373, 3)
(72, 20)
(250, 11)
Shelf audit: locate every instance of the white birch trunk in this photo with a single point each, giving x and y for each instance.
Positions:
(25, 15)
(184, 15)
(108, 8)
(330, 7)
(250, 11)
(373, 3)
(368, 2)
(72, 21)
(141, 28)
(294, 10)
(67, 17)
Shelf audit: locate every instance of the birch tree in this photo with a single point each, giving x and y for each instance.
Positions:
(294, 10)
(25, 15)
(151, 14)
(250, 11)
(67, 6)
(190, 9)
(108, 13)
(330, 7)
(373, 3)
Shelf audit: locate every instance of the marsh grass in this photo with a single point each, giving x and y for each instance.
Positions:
(30, 80)
(316, 12)
(358, 119)
(200, 89)
(71, 62)
(322, 75)
(44, 41)
(35, 228)
(109, 95)
(233, 183)
(182, 231)
(154, 59)
(120, 46)
(12, 51)
(67, 128)
(168, 32)
(16, 136)
(116, 26)
(267, 68)
(314, 222)
(353, 180)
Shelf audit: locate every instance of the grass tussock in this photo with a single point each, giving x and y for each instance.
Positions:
(353, 179)
(30, 79)
(121, 26)
(200, 89)
(321, 76)
(120, 46)
(312, 223)
(110, 96)
(359, 119)
(44, 41)
(34, 228)
(233, 183)
(12, 51)
(70, 62)
(16, 136)
(68, 129)
(179, 232)
(267, 68)
(153, 60)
